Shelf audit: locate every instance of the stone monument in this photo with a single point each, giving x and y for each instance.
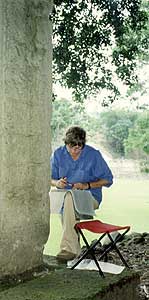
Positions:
(25, 92)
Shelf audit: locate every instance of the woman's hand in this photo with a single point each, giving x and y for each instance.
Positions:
(80, 186)
(61, 183)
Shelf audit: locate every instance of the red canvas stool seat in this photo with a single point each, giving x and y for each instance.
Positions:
(104, 229)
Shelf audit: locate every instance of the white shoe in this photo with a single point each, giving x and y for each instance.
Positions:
(106, 241)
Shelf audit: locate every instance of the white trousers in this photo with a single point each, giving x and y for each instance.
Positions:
(70, 240)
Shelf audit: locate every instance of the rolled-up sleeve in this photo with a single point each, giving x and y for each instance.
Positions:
(101, 169)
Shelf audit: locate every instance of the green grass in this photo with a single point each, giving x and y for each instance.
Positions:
(125, 203)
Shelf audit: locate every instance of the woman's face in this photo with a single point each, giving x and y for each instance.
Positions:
(75, 150)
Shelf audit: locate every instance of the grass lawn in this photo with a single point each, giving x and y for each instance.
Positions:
(125, 203)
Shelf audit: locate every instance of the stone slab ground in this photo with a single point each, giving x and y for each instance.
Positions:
(56, 282)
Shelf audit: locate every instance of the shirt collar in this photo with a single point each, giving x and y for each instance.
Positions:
(82, 152)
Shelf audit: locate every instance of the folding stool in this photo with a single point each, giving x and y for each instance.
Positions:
(97, 226)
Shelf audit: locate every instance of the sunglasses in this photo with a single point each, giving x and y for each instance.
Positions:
(74, 144)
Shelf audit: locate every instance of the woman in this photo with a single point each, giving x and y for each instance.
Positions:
(77, 166)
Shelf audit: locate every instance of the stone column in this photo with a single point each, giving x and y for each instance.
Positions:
(25, 92)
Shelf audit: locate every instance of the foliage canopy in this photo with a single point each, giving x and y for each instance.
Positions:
(90, 36)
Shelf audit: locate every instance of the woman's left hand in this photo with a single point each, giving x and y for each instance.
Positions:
(80, 186)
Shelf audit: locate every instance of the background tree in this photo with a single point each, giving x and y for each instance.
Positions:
(90, 36)
(66, 114)
(115, 126)
(123, 133)
(137, 143)
(127, 134)
(140, 88)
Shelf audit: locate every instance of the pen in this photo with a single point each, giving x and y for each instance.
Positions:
(68, 183)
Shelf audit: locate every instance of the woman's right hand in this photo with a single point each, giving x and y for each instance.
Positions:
(61, 183)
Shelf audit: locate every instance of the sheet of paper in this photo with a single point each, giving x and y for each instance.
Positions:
(56, 200)
(83, 201)
(89, 264)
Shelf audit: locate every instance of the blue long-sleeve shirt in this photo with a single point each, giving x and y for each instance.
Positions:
(89, 167)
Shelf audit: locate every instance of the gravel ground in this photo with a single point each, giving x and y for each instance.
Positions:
(135, 249)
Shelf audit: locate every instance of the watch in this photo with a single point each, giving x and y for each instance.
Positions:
(89, 186)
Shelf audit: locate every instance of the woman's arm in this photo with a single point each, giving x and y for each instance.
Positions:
(90, 185)
(98, 183)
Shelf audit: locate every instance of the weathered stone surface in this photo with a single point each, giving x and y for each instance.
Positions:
(63, 284)
(24, 133)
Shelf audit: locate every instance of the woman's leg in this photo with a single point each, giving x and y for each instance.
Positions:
(70, 239)
(70, 242)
